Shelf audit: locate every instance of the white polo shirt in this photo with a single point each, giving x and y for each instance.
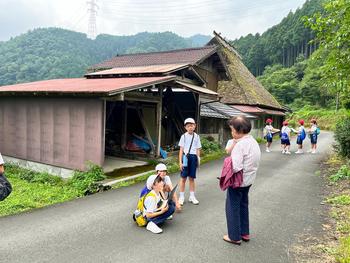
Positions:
(185, 142)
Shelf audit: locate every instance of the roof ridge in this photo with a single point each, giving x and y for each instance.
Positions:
(167, 51)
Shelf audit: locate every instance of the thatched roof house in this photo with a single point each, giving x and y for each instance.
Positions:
(244, 88)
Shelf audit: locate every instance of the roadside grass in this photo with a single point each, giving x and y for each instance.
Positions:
(326, 118)
(338, 174)
(32, 190)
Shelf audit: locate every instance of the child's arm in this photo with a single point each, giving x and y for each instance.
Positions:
(2, 169)
(181, 152)
(158, 213)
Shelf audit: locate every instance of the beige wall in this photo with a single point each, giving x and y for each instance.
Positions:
(57, 131)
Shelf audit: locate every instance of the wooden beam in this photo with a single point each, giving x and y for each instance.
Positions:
(159, 122)
(125, 125)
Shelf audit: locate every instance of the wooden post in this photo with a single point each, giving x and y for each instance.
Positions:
(198, 112)
(125, 125)
(159, 121)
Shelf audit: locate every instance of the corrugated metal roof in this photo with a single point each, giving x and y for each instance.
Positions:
(248, 109)
(221, 110)
(107, 86)
(179, 56)
(210, 113)
(198, 89)
(166, 68)
(257, 110)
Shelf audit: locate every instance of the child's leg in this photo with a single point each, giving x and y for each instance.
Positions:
(182, 185)
(192, 185)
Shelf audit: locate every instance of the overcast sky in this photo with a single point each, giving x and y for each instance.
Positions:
(233, 18)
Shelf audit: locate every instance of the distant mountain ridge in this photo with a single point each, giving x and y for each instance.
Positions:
(49, 53)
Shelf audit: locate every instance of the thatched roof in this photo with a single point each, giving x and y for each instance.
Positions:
(244, 88)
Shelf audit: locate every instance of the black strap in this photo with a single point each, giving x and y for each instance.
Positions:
(189, 150)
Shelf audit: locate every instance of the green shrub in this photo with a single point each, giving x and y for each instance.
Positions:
(343, 173)
(342, 136)
(343, 252)
(87, 182)
(209, 146)
(260, 140)
(339, 200)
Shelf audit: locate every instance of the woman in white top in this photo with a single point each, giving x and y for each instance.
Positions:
(245, 156)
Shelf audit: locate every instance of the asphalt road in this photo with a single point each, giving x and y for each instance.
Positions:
(284, 202)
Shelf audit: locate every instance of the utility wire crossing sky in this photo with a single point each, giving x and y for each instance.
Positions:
(233, 18)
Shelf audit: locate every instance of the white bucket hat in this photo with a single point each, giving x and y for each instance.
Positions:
(161, 167)
(189, 120)
(150, 181)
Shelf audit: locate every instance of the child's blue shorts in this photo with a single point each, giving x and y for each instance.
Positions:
(286, 142)
(191, 169)
(299, 141)
(313, 139)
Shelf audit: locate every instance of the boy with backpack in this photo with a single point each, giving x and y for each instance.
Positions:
(268, 133)
(301, 136)
(314, 131)
(5, 186)
(190, 146)
(285, 134)
(152, 210)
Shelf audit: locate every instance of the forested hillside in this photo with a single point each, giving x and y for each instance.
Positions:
(282, 43)
(58, 53)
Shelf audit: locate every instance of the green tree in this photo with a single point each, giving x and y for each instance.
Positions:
(333, 35)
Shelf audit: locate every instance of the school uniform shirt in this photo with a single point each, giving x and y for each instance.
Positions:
(300, 130)
(268, 129)
(286, 129)
(151, 203)
(185, 142)
(246, 156)
(313, 128)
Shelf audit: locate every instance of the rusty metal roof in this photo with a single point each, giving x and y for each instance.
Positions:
(106, 86)
(220, 110)
(166, 68)
(179, 56)
(257, 110)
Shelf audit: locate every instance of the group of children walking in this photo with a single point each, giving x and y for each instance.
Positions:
(154, 207)
(285, 134)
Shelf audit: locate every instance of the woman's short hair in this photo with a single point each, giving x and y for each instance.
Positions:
(241, 124)
(313, 121)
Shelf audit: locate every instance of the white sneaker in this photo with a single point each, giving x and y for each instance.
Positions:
(267, 150)
(283, 151)
(309, 151)
(287, 152)
(153, 228)
(298, 152)
(313, 152)
(170, 217)
(193, 200)
(181, 200)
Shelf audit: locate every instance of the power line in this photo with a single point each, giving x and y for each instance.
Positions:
(92, 10)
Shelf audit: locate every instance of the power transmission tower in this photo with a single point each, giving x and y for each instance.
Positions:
(92, 10)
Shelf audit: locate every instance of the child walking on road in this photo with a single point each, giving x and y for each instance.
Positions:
(285, 135)
(190, 145)
(313, 133)
(268, 133)
(301, 136)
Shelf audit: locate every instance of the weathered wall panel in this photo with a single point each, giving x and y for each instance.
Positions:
(57, 131)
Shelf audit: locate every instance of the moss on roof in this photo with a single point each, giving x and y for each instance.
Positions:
(244, 88)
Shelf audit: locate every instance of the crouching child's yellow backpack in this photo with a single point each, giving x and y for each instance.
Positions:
(138, 216)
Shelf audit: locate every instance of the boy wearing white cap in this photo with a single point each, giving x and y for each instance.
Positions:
(190, 146)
